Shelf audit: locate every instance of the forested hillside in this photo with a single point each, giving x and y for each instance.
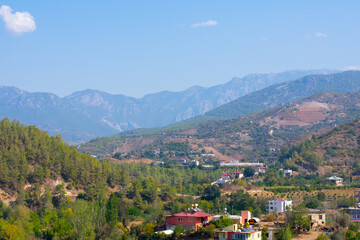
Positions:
(28, 155)
(338, 148)
(60, 193)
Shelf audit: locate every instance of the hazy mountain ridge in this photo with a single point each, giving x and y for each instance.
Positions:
(87, 114)
(248, 137)
(282, 93)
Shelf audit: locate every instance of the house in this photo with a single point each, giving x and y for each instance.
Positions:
(338, 181)
(237, 175)
(261, 169)
(354, 214)
(158, 163)
(244, 218)
(234, 161)
(240, 164)
(317, 218)
(225, 177)
(288, 172)
(194, 163)
(182, 161)
(236, 233)
(208, 155)
(192, 219)
(207, 166)
(279, 205)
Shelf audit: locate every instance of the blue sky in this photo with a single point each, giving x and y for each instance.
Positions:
(140, 47)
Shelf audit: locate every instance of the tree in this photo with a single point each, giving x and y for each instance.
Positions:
(210, 230)
(249, 172)
(322, 237)
(313, 203)
(111, 213)
(224, 222)
(178, 230)
(298, 218)
(212, 192)
(339, 234)
(263, 233)
(284, 233)
(321, 196)
(59, 195)
(82, 220)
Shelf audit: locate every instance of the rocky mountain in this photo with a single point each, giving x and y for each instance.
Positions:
(286, 92)
(87, 114)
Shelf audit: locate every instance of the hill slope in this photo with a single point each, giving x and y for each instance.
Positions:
(283, 93)
(252, 137)
(337, 150)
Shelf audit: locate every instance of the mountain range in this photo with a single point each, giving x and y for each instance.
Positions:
(251, 137)
(87, 114)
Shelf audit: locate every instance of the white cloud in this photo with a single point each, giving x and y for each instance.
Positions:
(319, 34)
(263, 39)
(17, 23)
(208, 23)
(357, 68)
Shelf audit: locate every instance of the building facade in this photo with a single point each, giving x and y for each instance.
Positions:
(279, 205)
(240, 234)
(317, 218)
(192, 219)
(354, 214)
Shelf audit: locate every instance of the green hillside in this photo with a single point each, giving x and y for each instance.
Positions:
(55, 192)
(338, 148)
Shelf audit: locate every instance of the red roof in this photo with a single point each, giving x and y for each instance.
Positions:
(192, 214)
(279, 199)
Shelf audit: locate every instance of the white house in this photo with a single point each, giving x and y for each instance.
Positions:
(194, 163)
(338, 181)
(279, 205)
(261, 169)
(288, 172)
(224, 178)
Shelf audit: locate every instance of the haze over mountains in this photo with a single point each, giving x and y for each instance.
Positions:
(86, 114)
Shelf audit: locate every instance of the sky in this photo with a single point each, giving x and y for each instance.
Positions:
(140, 47)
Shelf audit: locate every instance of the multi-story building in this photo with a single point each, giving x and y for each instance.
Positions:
(192, 219)
(354, 214)
(279, 205)
(317, 218)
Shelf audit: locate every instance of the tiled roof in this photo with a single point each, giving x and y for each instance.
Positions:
(192, 214)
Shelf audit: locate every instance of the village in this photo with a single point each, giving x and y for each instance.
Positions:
(280, 211)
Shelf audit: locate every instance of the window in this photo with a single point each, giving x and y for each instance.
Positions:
(190, 219)
(320, 216)
(179, 219)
